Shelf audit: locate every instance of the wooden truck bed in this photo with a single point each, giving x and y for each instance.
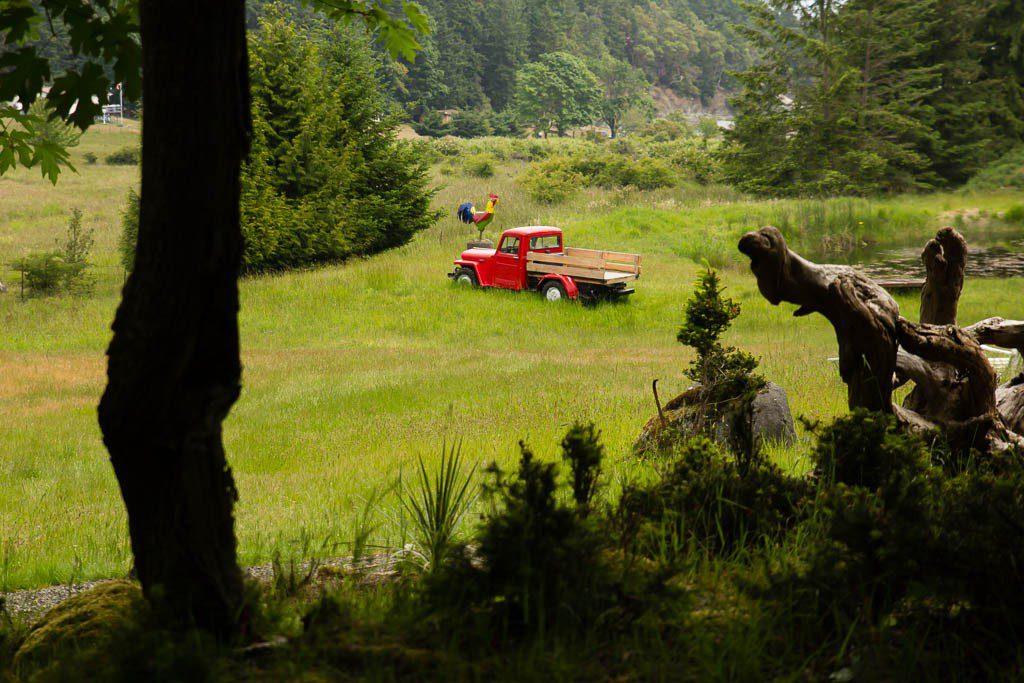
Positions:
(586, 265)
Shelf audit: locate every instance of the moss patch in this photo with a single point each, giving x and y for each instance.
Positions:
(87, 621)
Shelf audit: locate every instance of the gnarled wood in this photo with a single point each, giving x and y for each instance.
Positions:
(975, 382)
(999, 332)
(863, 314)
(945, 258)
(1008, 334)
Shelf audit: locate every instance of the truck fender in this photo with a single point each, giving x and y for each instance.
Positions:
(571, 290)
(460, 263)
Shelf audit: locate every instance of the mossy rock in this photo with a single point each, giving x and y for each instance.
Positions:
(89, 620)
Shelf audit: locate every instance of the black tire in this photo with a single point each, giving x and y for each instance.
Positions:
(466, 276)
(553, 291)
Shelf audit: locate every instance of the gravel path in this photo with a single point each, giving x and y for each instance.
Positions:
(29, 605)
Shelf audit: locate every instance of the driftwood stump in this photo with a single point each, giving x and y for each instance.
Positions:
(1008, 334)
(863, 314)
(945, 260)
(955, 386)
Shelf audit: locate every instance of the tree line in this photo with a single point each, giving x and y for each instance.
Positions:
(867, 96)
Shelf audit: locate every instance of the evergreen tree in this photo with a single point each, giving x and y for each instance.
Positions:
(326, 178)
(504, 33)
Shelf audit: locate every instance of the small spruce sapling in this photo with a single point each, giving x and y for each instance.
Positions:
(723, 373)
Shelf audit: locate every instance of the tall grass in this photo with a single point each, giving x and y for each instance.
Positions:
(345, 365)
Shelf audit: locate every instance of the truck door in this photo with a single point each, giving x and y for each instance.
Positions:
(508, 267)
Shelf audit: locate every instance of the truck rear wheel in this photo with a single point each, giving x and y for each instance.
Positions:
(553, 291)
(466, 277)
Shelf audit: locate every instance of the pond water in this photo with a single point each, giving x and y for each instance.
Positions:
(1005, 259)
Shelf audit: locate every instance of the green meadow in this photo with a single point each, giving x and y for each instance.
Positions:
(354, 370)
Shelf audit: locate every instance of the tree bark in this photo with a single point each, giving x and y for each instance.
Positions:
(862, 313)
(174, 368)
(945, 258)
(1010, 396)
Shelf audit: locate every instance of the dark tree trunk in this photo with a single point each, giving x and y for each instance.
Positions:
(174, 369)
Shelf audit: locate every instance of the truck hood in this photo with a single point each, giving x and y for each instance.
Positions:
(478, 255)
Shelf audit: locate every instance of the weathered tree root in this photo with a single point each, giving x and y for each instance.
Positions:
(955, 386)
(1008, 334)
(945, 259)
(862, 313)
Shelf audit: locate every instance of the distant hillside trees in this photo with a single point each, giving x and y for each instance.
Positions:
(623, 89)
(478, 47)
(869, 96)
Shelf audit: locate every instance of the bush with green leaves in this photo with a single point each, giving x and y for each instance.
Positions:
(129, 230)
(480, 165)
(63, 269)
(709, 503)
(126, 156)
(540, 564)
(470, 123)
(1006, 172)
(551, 181)
(903, 543)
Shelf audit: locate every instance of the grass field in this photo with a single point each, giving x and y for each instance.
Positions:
(352, 371)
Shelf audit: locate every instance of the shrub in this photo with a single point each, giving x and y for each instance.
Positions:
(126, 156)
(90, 158)
(432, 124)
(663, 130)
(470, 123)
(540, 565)
(62, 270)
(551, 181)
(1006, 172)
(644, 174)
(129, 230)
(44, 272)
(711, 503)
(867, 449)
(723, 373)
(480, 165)
(1014, 214)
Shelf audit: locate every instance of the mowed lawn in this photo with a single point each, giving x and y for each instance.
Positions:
(353, 371)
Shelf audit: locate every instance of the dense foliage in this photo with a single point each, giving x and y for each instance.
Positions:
(875, 95)
(472, 58)
(557, 92)
(326, 177)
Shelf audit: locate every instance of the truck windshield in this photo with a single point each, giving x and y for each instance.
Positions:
(545, 242)
(510, 245)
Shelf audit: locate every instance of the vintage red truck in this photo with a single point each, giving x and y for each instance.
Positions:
(534, 258)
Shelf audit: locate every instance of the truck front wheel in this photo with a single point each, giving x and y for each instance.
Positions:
(466, 277)
(553, 291)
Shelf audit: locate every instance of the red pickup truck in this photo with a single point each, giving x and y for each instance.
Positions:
(534, 258)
